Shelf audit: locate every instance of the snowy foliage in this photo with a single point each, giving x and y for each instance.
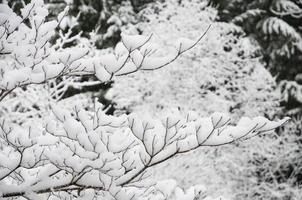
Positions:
(226, 77)
(271, 169)
(276, 26)
(30, 58)
(291, 95)
(25, 45)
(94, 150)
(83, 153)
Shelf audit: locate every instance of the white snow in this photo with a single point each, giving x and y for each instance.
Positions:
(133, 42)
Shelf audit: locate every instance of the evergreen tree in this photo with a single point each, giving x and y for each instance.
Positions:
(277, 26)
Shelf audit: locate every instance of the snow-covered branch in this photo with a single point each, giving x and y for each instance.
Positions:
(83, 150)
(95, 150)
(30, 57)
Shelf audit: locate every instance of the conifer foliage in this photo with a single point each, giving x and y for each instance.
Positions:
(276, 25)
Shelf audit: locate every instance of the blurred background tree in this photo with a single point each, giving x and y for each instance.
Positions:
(277, 27)
(104, 17)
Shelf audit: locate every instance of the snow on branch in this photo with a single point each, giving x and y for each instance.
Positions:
(29, 57)
(285, 7)
(91, 150)
(82, 152)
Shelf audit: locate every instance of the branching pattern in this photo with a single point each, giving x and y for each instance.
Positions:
(33, 60)
(96, 151)
(88, 154)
